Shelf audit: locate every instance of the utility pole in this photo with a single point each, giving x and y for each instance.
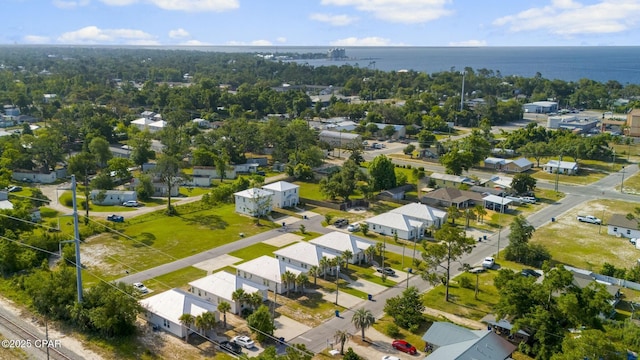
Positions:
(337, 279)
(462, 93)
(76, 233)
(499, 227)
(622, 182)
(558, 172)
(275, 303)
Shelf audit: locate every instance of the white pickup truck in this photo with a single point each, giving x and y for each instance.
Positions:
(589, 219)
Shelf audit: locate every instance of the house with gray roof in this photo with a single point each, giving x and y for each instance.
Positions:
(445, 197)
(562, 167)
(453, 342)
(619, 225)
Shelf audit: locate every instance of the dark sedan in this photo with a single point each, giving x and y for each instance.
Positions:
(231, 347)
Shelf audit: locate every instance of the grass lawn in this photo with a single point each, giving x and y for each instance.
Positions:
(584, 177)
(631, 184)
(308, 308)
(461, 300)
(586, 245)
(177, 279)
(254, 251)
(368, 273)
(330, 286)
(193, 191)
(414, 339)
(311, 190)
(66, 199)
(154, 239)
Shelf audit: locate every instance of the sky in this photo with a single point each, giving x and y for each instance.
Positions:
(321, 22)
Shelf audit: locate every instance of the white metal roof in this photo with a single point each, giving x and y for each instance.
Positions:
(421, 211)
(522, 162)
(269, 268)
(171, 304)
(497, 199)
(280, 186)
(563, 164)
(340, 242)
(253, 193)
(306, 253)
(393, 220)
(223, 284)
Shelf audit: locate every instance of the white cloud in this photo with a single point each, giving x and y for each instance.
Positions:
(179, 33)
(399, 11)
(334, 20)
(367, 41)
(182, 5)
(69, 4)
(36, 39)
(194, 43)
(95, 35)
(469, 43)
(570, 18)
(281, 39)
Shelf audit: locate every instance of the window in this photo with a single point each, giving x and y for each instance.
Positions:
(628, 232)
(615, 229)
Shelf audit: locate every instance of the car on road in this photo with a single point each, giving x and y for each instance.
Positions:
(530, 273)
(231, 347)
(353, 227)
(115, 218)
(244, 341)
(404, 346)
(14, 188)
(488, 262)
(140, 287)
(390, 357)
(387, 271)
(131, 203)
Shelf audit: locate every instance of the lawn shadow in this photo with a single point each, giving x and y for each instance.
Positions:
(212, 221)
(144, 239)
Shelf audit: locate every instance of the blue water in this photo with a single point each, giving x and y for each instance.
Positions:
(602, 64)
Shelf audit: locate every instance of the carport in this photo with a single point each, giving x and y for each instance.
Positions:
(496, 203)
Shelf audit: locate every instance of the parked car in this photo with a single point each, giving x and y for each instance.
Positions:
(231, 347)
(131, 203)
(404, 346)
(476, 270)
(353, 227)
(589, 219)
(387, 271)
(244, 341)
(341, 223)
(115, 218)
(390, 357)
(488, 262)
(140, 287)
(14, 188)
(633, 241)
(530, 272)
(529, 199)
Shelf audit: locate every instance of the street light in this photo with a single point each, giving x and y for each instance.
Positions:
(337, 278)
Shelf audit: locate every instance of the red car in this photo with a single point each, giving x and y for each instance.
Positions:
(404, 346)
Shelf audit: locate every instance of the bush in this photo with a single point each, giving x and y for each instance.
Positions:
(415, 328)
(392, 330)
(246, 312)
(421, 168)
(465, 282)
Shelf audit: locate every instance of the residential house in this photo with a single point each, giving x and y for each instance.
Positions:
(341, 242)
(633, 123)
(397, 193)
(409, 222)
(220, 286)
(453, 342)
(284, 194)
(160, 189)
(44, 177)
(541, 107)
(494, 163)
(339, 139)
(202, 123)
(449, 196)
(112, 197)
(267, 271)
(202, 175)
(487, 190)
(247, 168)
(496, 203)
(563, 167)
(517, 165)
(157, 126)
(444, 180)
(621, 226)
(304, 254)
(164, 310)
(5, 204)
(142, 123)
(499, 182)
(253, 202)
(583, 278)
(123, 151)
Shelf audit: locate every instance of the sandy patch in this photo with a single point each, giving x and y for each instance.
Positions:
(217, 263)
(94, 255)
(282, 240)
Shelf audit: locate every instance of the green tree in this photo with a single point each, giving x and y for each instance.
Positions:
(240, 297)
(144, 189)
(453, 213)
(187, 320)
(341, 337)
(120, 168)
(351, 355)
(168, 170)
(205, 322)
(315, 272)
(140, 145)
(224, 307)
(590, 344)
(523, 183)
(99, 147)
(409, 149)
(426, 139)
(382, 172)
(342, 183)
(261, 323)
(406, 309)
(288, 280)
(347, 255)
(451, 245)
(480, 211)
(536, 150)
(455, 161)
(363, 319)
(388, 131)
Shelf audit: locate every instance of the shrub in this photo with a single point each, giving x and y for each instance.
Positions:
(465, 282)
(415, 328)
(392, 330)
(408, 166)
(421, 168)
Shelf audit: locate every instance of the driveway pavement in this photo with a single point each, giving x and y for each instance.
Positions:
(288, 328)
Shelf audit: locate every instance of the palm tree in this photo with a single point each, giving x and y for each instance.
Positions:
(341, 336)
(347, 255)
(324, 264)
(363, 319)
(223, 307)
(255, 299)
(379, 250)
(480, 211)
(187, 320)
(469, 213)
(453, 213)
(288, 278)
(370, 252)
(315, 272)
(240, 297)
(301, 280)
(205, 322)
